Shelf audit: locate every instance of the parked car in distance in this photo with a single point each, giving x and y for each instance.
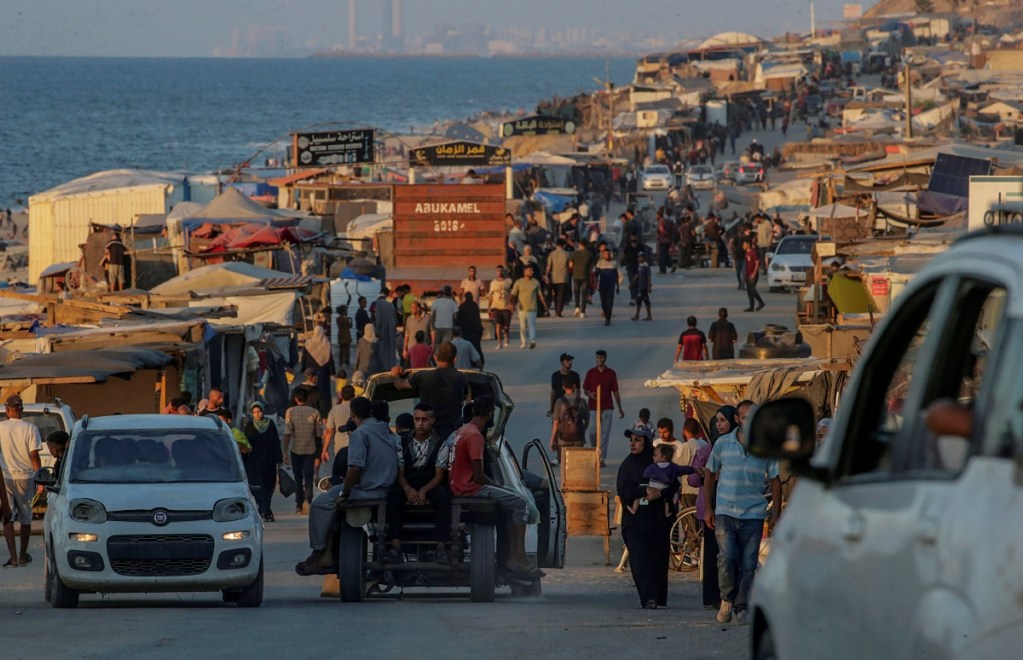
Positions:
(790, 262)
(751, 172)
(701, 177)
(923, 458)
(814, 105)
(728, 170)
(151, 503)
(656, 177)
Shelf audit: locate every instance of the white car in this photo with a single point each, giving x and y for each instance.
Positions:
(151, 503)
(898, 540)
(702, 177)
(656, 177)
(791, 263)
(751, 172)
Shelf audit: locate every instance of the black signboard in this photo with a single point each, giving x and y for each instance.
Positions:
(460, 154)
(327, 148)
(538, 126)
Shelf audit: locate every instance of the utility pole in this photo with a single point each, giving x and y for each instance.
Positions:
(909, 101)
(813, 23)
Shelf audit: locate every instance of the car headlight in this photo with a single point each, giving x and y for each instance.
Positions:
(778, 267)
(234, 508)
(88, 511)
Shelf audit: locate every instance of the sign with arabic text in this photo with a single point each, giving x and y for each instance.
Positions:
(538, 125)
(327, 148)
(459, 154)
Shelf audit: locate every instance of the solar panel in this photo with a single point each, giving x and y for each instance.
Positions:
(951, 174)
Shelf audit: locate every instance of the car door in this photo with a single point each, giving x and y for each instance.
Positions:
(893, 518)
(552, 532)
(845, 544)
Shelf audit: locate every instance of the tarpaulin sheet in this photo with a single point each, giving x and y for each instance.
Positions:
(849, 295)
(95, 365)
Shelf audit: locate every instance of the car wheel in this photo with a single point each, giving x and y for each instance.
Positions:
(47, 577)
(252, 595)
(765, 647)
(352, 564)
(481, 564)
(62, 597)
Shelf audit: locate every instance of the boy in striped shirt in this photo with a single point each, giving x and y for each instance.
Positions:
(735, 484)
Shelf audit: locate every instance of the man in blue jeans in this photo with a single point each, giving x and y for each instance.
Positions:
(735, 484)
(303, 433)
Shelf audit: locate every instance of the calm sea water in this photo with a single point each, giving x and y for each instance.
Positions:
(62, 118)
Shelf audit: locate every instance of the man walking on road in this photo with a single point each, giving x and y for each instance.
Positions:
(723, 337)
(500, 288)
(752, 259)
(20, 444)
(558, 377)
(528, 298)
(571, 416)
(692, 343)
(608, 281)
(644, 285)
(606, 380)
(735, 483)
(558, 274)
(582, 261)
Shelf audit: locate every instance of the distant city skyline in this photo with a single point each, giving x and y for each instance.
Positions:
(265, 28)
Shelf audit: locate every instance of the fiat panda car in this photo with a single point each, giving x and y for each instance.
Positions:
(898, 540)
(151, 503)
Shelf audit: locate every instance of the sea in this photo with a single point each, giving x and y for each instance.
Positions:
(63, 118)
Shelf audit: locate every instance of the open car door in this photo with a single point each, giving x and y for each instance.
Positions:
(552, 532)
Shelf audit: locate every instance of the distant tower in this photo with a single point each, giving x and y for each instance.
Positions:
(353, 32)
(397, 25)
(392, 37)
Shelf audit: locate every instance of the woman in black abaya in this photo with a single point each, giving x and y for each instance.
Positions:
(646, 532)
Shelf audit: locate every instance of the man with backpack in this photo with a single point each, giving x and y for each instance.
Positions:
(571, 417)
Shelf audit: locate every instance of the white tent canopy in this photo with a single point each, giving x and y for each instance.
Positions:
(217, 277)
(366, 226)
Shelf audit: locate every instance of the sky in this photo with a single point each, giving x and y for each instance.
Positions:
(200, 28)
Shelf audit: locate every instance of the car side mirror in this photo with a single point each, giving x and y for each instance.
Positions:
(45, 477)
(784, 429)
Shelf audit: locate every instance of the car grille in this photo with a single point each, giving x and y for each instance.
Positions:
(159, 555)
(144, 516)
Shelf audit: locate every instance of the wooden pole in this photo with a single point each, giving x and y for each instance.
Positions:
(909, 101)
(599, 425)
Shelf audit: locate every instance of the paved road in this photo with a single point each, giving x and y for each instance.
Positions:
(586, 609)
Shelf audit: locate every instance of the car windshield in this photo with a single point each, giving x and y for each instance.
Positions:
(657, 169)
(701, 169)
(154, 456)
(796, 246)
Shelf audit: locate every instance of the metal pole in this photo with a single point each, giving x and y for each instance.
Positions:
(909, 101)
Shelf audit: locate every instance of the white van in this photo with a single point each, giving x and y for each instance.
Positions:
(900, 539)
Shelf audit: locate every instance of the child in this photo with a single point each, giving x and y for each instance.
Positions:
(244, 446)
(643, 422)
(419, 353)
(662, 473)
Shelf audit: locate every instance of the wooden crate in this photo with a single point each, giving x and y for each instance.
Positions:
(588, 513)
(580, 469)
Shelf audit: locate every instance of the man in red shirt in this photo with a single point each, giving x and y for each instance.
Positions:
(469, 480)
(752, 275)
(692, 344)
(607, 380)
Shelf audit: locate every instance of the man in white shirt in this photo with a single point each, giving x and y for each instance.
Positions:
(20, 444)
(472, 285)
(684, 452)
(442, 316)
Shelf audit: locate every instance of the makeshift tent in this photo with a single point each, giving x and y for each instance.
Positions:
(215, 278)
(366, 226)
(232, 206)
(556, 200)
